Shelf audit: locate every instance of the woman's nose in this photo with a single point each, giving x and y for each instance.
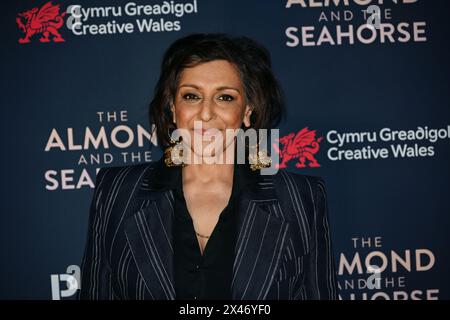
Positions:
(207, 110)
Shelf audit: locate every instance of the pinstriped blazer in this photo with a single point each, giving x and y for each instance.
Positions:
(283, 249)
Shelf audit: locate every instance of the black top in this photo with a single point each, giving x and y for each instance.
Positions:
(206, 276)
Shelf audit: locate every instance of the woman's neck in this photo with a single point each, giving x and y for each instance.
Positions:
(208, 173)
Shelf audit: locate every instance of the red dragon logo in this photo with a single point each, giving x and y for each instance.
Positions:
(46, 20)
(301, 146)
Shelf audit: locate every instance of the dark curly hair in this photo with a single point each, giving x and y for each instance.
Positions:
(261, 88)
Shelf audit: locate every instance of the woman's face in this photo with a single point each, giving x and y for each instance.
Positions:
(212, 95)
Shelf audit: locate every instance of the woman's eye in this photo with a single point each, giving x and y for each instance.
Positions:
(190, 96)
(226, 97)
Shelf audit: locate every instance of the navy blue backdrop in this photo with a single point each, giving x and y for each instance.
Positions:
(377, 96)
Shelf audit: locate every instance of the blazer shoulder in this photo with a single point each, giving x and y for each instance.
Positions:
(119, 182)
(301, 182)
(114, 187)
(302, 195)
(109, 176)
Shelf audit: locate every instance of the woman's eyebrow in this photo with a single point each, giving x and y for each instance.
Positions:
(227, 87)
(218, 88)
(189, 85)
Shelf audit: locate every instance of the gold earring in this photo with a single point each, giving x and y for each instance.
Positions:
(259, 159)
(173, 155)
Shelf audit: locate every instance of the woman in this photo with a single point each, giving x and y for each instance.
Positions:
(209, 230)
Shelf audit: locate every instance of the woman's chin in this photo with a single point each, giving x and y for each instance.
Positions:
(209, 151)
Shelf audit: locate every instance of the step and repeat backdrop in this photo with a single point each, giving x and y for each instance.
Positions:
(366, 80)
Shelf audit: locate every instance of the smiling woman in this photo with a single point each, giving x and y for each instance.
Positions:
(213, 230)
(215, 100)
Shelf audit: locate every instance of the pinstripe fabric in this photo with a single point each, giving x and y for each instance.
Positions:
(283, 249)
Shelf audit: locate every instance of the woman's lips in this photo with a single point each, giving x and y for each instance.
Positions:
(206, 132)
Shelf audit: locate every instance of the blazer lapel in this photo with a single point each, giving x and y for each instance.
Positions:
(149, 233)
(261, 233)
(261, 236)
